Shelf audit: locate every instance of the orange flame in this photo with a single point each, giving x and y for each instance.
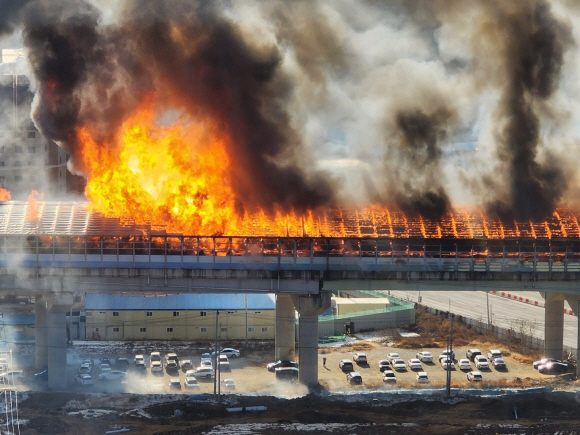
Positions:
(33, 207)
(4, 194)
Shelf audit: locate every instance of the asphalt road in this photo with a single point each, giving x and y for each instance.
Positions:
(503, 311)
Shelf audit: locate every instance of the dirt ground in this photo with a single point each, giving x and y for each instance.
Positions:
(334, 407)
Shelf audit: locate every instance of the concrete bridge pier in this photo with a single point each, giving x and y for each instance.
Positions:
(554, 325)
(40, 331)
(285, 328)
(309, 308)
(51, 340)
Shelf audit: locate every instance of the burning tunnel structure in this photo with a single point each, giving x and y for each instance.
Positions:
(54, 250)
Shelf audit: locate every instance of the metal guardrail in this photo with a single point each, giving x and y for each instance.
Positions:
(305, 253)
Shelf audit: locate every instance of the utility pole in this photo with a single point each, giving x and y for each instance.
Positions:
(450, 349)
(578, 342)
(216, 350)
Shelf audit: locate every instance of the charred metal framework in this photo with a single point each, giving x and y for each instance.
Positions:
(68, 235)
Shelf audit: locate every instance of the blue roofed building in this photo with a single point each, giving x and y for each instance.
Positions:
(186, 316)
(17, 328)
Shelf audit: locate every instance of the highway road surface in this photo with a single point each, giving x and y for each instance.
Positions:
(503, 311)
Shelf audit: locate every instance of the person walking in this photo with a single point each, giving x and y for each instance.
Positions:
(324, 362)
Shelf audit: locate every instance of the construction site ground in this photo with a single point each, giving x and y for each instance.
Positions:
(333, 407)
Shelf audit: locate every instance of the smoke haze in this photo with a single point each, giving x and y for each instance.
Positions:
(419, 104)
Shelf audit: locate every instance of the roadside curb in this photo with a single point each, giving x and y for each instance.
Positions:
(525, 300)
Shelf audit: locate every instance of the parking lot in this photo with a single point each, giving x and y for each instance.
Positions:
(250, 375)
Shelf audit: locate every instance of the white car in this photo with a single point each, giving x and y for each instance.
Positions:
(206, 363)
(422, 377)
(112, 375)
(191, 382)
(481, 362)
(85, 369)
(447, 364)
(399, 365)
(156, 366)
(360, 358)
(88, 362)
(84, 379)
(105, 367)
(204, 372)
(231, 353)
(474, 377)
(139, 359)
(206, 357)
(425, 357)
(389, 376)
(384, 364)
(415, 364)
(493, 354)
(464, 364)
(393, 355)
(228, 384)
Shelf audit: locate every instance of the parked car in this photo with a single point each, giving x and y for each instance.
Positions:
(141, 365)
(498, 363)
(155, 356)
(289, 374)
(172, 356)
(89, 362)
(204, 372)
(190, 383)
(474, 377)
(231, 353)
(85, 369)
(112, 375)
(389, 376)
(472, 353)
(206, 357)
(84, 379)
(186, 365)
(422, 377)
(493, 354)
(171, 366)
(228, 384)
(544, 361)
(105, 360)
(174, 384)
(105, 367)
(354, 378)
(384, 364)
(273, 366)
(425, 357)
(415, 364)
(360, 358)
(445, 355)
(156, 366)
(206, 363)
(393, 355)
(447, 364)
(399, 365)
(346, 365)
(224, 363)
(481, 362)
(553, 368)
(138, 359)
(464, 364)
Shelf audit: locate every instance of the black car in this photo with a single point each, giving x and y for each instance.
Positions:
(105, 360)
(553, 368)
(544, 361)
(273, 366)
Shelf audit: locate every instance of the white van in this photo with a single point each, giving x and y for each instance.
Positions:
(204, 372)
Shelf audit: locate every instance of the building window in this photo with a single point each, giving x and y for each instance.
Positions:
(264, 329)
(31, 134)
(115, 329)
(17, 163)
(115, 314)
(203, 313)
(231, 312)
(142, 329)
(31, 150)
(18, 178)
(1, 163)
(18, 149)
(224, 329)
(95, 329)
(89, 314)
(149, 313)
(251, 329)
(257, 312)
(176, 314)
(203, 329)
(169, 329)
(30, 163)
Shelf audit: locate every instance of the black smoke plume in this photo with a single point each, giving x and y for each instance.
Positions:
(10, 14)
(533, 54)
(413, 162)
(195, 59)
